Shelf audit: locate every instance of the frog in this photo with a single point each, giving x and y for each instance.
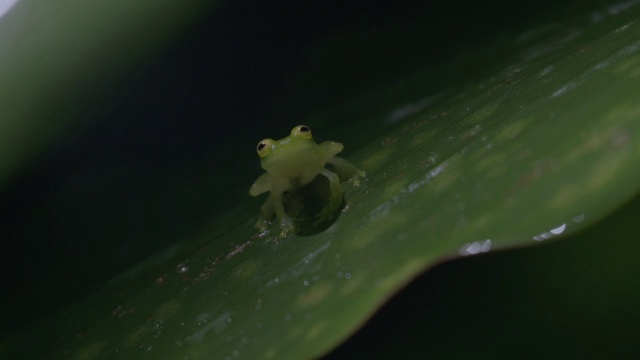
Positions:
(293, 162)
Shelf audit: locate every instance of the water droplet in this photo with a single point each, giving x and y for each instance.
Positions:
(182, 268)
(306, 283)
(547, 70)
(229, 320)
(474, 248)
(486, 246)
(470, 248)
(559, 230)
(288, 317)
(339, 274)
(347, 276)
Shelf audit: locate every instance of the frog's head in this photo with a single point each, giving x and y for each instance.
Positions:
(288, 153)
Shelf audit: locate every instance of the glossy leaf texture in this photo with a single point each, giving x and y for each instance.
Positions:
(542, 147)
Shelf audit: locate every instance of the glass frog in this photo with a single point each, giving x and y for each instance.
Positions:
(292, 163)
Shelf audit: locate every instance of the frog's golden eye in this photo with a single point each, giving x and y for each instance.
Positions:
(301, 131)
(264, 147)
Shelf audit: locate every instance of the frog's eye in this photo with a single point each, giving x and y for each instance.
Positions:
(264, 147)
(301, 131)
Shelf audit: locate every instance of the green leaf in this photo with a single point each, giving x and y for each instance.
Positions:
(539, 148)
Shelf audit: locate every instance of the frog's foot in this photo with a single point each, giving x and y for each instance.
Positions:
(328, 211)
(358, 175)
(262, 225)
(286, 226)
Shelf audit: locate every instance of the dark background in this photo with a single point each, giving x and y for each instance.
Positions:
(145, 167)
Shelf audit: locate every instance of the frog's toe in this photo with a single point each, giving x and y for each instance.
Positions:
(357, 177)
(283, 233)
(286, 226)
(262, 225)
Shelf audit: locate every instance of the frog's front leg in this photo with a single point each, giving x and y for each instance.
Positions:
(336, 192)
(286, 223)
(346, 171)
(266, 214)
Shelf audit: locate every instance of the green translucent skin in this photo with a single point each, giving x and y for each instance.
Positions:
(293, 162)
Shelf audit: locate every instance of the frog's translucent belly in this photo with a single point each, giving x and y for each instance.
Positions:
(295, 168)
